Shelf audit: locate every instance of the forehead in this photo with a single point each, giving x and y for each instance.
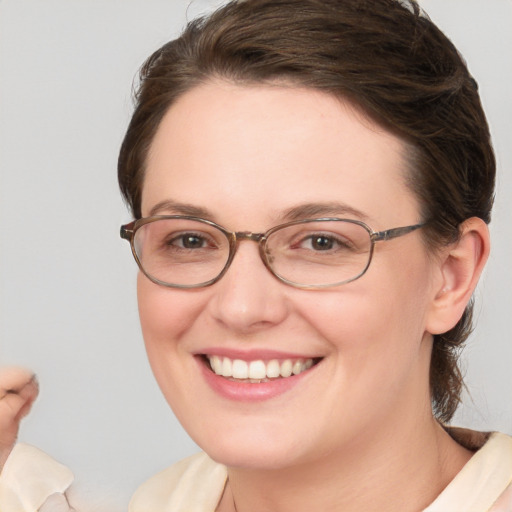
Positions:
(236, 150)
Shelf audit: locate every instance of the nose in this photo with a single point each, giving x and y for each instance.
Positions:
(248, 298)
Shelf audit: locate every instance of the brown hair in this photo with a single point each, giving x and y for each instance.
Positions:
(385, 56)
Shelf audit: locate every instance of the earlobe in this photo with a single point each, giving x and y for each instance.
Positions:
(460, 268)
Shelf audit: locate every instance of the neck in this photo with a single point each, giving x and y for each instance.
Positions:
(369, 475)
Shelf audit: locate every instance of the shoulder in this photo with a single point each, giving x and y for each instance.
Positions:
(484, 482)
(29, 477)
(195, 483)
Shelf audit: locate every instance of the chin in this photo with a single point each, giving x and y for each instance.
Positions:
(253, 448)
(254, 458)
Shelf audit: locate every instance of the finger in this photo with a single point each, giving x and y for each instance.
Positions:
(28, 393)
(14, 379)
(14, 406)
(9, 424)
(18, 390)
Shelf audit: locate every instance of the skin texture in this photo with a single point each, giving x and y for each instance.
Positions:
(18, 390)
(345, 436)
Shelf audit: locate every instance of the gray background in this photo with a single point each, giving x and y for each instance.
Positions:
(67, 282)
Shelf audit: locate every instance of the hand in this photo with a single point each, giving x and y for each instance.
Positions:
(18, 390)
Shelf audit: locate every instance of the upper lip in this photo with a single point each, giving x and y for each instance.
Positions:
(254, 354)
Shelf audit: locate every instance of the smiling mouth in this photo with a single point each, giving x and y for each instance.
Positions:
(257, 371)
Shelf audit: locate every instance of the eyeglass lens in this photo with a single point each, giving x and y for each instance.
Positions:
(184, 252)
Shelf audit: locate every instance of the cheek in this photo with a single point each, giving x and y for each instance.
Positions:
(366, 317)
(165, 315)
(376, 327)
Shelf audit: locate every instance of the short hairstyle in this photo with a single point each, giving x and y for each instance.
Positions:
(387, 58)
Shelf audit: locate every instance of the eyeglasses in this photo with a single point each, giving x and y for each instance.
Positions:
(180, 251)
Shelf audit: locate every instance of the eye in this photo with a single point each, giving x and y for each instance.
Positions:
(189, 241)
(323, 242)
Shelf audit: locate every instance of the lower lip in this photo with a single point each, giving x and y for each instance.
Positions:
(249, 392)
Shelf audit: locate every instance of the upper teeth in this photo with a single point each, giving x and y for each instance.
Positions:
(240, 369)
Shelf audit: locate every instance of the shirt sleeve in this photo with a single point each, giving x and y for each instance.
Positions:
(29, 478)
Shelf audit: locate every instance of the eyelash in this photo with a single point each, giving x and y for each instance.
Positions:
(170, 242)
(343, 244)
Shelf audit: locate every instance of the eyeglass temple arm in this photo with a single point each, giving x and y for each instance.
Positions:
(126, 231)
(394, 232)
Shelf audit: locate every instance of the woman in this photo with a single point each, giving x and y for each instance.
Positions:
(317, 369)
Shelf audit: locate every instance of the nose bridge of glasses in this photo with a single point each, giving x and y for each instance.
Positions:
(239, 236)
(248, 235)
(259, 238)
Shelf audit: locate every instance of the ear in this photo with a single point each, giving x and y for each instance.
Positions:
(460, 266)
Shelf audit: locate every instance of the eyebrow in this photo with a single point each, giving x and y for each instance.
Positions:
(173, 207)
(301, 211)
(314, 210)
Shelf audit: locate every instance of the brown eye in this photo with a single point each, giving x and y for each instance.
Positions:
(192, 242)
(188, 241)
(322, 243)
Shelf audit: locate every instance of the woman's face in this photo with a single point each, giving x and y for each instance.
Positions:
(244, 157)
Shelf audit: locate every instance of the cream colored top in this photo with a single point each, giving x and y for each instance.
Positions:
(29, 478)
(196, 484)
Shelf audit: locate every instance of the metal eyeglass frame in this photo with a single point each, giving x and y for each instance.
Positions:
(234, 237)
